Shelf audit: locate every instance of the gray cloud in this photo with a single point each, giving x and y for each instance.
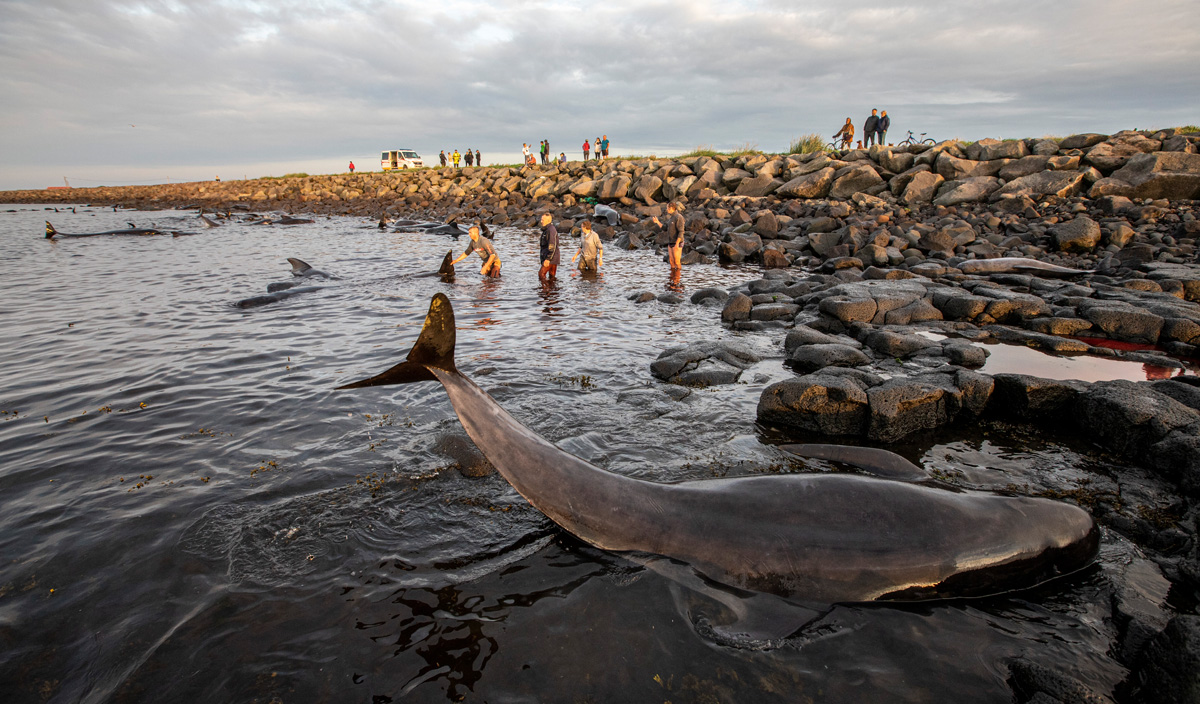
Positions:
(239, 87)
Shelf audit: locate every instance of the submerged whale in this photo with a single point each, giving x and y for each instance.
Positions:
(281, 290)
(274, 297)
(810, 540)
(131, 230)
(1019, 265)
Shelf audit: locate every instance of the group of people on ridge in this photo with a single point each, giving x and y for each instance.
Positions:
(456, 157)
(590, 254)
(874, 130)
(601, 148)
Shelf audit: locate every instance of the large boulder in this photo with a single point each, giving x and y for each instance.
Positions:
(970, 190)
(1130, 418)
(733, 177)
(1079, 235)
(614, 186)
(1082, 141)
(648, 189)
(703, 363)
(740, 247)
(761, 185)
(811, 185)
(1123, 321)
(1047, 183)
(955, 169)
(856, 180)
(820, 403)
(922, 187)
(900, 407)
(1171, 175)
(810, 358)
(1032, 398)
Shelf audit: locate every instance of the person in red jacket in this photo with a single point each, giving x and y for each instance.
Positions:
(587, 147)
(352, 167)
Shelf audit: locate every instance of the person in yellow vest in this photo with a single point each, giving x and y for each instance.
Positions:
(456, 156)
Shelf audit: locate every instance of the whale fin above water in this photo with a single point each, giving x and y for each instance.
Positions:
(302, 268)
(447, 268)
(434, 348)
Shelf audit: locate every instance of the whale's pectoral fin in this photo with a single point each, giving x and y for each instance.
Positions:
(731, 616)
(50, 231)
(434, 349)
(881, 463)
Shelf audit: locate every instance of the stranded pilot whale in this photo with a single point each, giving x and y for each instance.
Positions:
(1008, 265)
(808, 538)
(51, 233)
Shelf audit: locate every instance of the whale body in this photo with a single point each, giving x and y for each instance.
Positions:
(806, 538)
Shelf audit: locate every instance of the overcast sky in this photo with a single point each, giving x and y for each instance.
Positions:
(111, 92)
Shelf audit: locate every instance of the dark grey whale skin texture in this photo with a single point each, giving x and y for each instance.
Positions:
(811, 538)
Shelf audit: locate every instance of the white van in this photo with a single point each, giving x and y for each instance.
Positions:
(401, 159)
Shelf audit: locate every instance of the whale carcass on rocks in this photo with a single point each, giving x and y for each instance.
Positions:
(796, 540)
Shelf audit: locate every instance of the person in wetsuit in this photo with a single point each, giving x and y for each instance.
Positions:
(675, 229)
(482, 246)
(548, 249)
(590, 248)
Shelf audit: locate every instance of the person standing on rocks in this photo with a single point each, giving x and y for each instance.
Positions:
(455, 157)
(675, 229)
(442, 156)
(882, 126)
(587, 146)
(524, 153)
(869, 128)
(483, 246)
(352, 167)
(470, 158)
(846, 133)
(604, 147)
(598, 155)
(478, 158)
(590, 248)
(548, 248)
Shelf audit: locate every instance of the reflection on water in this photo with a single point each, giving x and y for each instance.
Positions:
(181, 484)
(1018, 359)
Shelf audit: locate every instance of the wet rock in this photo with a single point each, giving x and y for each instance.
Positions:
(1031, 679)
(719, 294)
(804, 335)
(1079, 235)
(965, 354)
(1063, 184)
(810, 358)
(703, 363)
(820, 403)
(1168, 670)
(774, 311)
(737, 308)
(774, 259)
(1129, 418)
(670, 298)
(897, 345)
(900, 407)
(1059, 326)
(1123, 321)
(848, 309)
(643, 297)
(1186, 394)
(976, 390)
(1032, 398)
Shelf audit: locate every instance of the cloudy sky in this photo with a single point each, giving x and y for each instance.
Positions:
(112, 92)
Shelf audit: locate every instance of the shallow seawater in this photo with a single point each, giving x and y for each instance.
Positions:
(190, 512)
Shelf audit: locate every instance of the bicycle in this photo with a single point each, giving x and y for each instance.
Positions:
(916, 140)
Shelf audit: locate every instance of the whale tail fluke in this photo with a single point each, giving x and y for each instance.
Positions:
(434, 349)
(50, 231)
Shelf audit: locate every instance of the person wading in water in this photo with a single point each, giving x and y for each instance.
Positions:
(675, 228)
(590, 248)
(548, 247)
(482, 245)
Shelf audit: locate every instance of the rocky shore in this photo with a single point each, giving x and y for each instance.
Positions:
(883, 272)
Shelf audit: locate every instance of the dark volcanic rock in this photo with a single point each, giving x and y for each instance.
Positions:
(901, 407)
(1168, 670)
(820, 403)
(810, 358)
(703, 363)
(1032, 398)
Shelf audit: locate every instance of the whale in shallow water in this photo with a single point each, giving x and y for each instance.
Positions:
(800, 539)
(51, 233)
(275, 296)
(301, 268)
(1018, 265)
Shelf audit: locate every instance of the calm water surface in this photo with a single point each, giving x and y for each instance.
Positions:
(190, 512)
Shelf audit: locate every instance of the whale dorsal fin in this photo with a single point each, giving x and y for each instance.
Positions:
(50, 231)
(881, 463)
(434, 349)
(298, 266)
(447, 268)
